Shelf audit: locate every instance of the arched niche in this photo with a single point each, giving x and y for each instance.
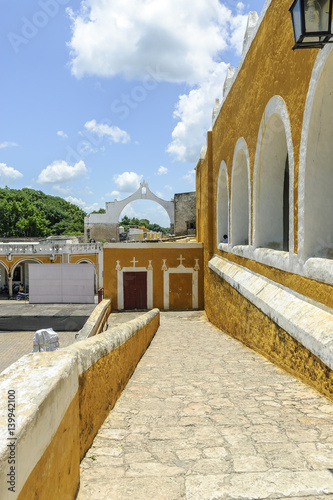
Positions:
(316, 163)
(222, 204)
(240, 220)
(3, 279)
(20, 272)
(273, 180)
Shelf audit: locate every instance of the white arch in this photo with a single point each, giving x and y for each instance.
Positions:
(240, 213)
(315, 181)
(114, 208)
(5, 266)
(85, 261)
(222, 203)
(25, 259)
(274, 141)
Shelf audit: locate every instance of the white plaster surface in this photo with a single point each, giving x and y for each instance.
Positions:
(61, 283)
(315, 227)
(273, 144)
(222, 203)
(95, 320)
(91, 350)
(45, 385)
(310, 325)
(240, 219)
(114, 208)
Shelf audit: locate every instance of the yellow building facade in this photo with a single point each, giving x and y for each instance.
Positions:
(265, 180)
(15, 258)
(168, 276)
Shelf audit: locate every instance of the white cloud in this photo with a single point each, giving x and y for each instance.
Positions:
(113, 133)
(7, 144)
(113, 194)
(162, 170)
(59, 171)
(62, 134)
(167, 186)
(76, 201)
(127, 182)
(82, 204)
(162, 41)
(190, 177)
(61, 189)
(169, 41)
(194, 112)
(9, 173)
(238, 25)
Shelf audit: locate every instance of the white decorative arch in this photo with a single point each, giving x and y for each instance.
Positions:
(5, 266)
(114, 208)
(24, 259)
(274, 145)
(240, 213)
(85, 261)
(222, 204)
(315, 181)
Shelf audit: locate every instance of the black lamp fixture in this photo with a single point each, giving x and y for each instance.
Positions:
(311, 23)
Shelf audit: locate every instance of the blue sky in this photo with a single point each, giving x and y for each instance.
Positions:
(97, 95)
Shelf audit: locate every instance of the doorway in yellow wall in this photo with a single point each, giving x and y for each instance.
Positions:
(180, 291)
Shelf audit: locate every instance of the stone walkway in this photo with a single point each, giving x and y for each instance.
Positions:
(14, 345)
(203, 417)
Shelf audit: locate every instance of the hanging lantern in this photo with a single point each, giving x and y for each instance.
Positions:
(311, 23)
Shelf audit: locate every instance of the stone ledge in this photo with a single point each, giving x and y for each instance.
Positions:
(96, 321)
(45, 384)
(306, 323)
(50, 403)
(94, 348)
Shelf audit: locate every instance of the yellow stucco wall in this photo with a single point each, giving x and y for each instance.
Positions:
(271, 68)
(234, 314)
(156, 253)
(94, 373)
(17, 259)
(10, 265)
(65, 473)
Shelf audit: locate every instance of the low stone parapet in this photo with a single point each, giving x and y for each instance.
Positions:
(97, 321)
(289, 329)
(53, 403)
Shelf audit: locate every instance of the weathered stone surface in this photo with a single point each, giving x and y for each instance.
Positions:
(203, 417)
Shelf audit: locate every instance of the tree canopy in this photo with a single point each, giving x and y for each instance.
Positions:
(30, 213)
(126, 222)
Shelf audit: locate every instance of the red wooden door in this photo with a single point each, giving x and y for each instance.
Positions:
(135, 290)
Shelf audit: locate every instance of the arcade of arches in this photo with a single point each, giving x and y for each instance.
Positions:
(265, 179)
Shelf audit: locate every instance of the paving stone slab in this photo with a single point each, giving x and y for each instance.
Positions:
(205, 418)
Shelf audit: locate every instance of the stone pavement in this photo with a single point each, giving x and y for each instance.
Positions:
(14, 345)
(204, 417)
